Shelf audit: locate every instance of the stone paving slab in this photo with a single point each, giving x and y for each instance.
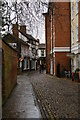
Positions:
(62, 95)
(22, 102)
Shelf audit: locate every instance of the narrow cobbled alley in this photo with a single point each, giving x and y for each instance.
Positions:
(40, 95)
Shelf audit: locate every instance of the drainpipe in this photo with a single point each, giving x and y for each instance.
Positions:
(52, 33)
(70, 38)
(50, 37)
(51, 64)
(46, 42)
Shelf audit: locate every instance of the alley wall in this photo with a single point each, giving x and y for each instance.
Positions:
(9, 70)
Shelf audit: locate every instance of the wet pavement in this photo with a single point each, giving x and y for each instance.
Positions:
(58, 97)
(22, 102)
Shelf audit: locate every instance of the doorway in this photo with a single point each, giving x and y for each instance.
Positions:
(58, 70)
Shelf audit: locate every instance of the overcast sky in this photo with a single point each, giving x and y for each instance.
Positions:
(39, 25)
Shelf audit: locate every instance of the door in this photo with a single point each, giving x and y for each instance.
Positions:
(58, 70)
(30, 65)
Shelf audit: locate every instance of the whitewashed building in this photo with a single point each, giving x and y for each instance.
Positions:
(42, 54)
(33, 47)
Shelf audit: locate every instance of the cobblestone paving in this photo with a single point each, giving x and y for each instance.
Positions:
(62, 95)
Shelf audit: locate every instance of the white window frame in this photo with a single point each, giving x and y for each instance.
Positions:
(72, 10)
(77, 7)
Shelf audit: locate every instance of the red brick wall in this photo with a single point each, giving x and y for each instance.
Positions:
(61, 38)
(9, 70)
(63, 60)
(47, 42)
(23, 28)
(62, 24)
(15, 30)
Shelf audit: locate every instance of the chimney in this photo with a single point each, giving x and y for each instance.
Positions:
(15, 30)
(23, 28)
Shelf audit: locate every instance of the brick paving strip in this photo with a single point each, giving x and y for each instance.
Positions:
(45, 110)
(60, 97)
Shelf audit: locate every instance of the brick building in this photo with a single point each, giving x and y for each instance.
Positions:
(57, 32)
(75, 36)
(22, 51)
(26, 46)
(47, 42)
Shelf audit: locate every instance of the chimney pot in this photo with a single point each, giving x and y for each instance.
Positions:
(23, 28)
(15, 30)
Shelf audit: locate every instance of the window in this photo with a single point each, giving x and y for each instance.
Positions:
(72, 36)
(42, 52)
(33, 50)
(76, 6)
(36, 52)
(27, 64)
(72, 10)
(24, 64)
(14, 45)
(77, 33)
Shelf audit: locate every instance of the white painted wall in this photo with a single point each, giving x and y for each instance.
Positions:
(24, 50)
(22, 37)
(39, 53)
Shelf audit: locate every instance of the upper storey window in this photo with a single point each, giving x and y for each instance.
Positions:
(72, 10)
(76, 6)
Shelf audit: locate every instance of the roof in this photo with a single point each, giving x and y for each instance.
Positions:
(45, 13)
(41, 46)
(7, 45)
(30, 37)
(11, 38)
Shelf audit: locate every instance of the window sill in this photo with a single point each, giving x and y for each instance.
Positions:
(72, 43)
(72, 19)
(77, 13)
(77, 40)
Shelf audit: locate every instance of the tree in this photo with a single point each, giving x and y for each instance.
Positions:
(23, 12)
